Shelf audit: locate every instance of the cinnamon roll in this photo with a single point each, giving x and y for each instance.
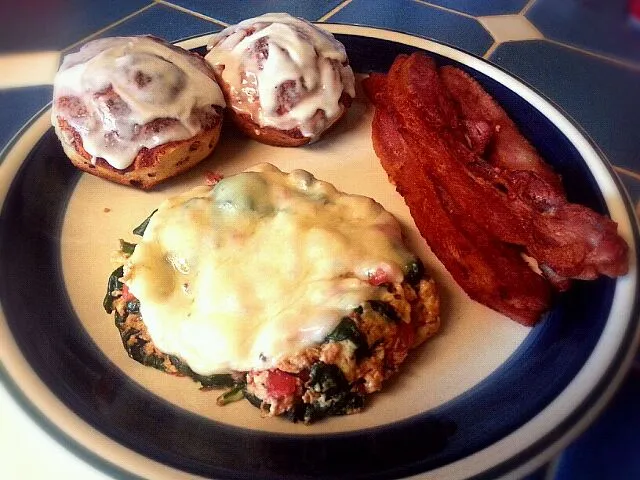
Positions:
(285, 80)
(136, 110)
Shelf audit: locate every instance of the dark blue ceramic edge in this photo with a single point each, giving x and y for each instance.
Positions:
(12, 141)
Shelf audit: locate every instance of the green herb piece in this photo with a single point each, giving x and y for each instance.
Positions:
(253, 400)
(414, 272)
(126, 247)
(139, 230)
(218, 380)
(347, 330)
(119, 319)
(133, 306)
(327, 378)
(233, 395)
(342, 404)
(337, 397)
(113, 284)
(384, 309)
(138, 352)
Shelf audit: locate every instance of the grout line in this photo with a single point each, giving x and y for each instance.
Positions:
(635, 176)
(28, 69)
(327, 16)
(618, 61)
(492, 49)
(440, 7)
(104, 29)
(628, 173)
(526, 8)
(192, 12)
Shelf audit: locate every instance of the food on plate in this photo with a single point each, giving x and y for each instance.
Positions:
(480, 194)
(285, 80)
(299, 297)
(136, 110)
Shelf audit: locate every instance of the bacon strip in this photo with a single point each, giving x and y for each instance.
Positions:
(489, 271)
(478, 215)
(509, 149)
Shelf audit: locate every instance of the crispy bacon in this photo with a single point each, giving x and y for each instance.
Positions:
(509, 149)
(490, 272)
(480, 194)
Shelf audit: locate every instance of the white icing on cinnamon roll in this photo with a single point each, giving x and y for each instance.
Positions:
(282, 71)
(125, 93)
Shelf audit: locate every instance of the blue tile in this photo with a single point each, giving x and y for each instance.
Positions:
(608, 450)
(603, 97)
(474, 7)
(54, 25)
(420, 19)
(232, 11)
(164, 22)
(599, 26)
(632, 185)
(17, 105)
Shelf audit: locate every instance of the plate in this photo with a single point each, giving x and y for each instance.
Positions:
(486, 397)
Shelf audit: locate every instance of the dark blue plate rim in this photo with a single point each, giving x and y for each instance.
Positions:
(526, 455)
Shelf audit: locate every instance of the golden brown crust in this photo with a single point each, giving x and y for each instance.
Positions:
(270, 135)
(151, 166)
(267, 135)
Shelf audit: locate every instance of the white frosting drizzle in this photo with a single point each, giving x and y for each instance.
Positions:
(152, 79)
(297, 52)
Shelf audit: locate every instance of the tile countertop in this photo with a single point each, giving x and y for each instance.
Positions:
(583, 54)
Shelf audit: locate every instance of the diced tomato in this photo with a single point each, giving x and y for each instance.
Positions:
(379, 277)
(211, 178)
(396, 352)
(281, 384)
(406, 334)
(126, 294)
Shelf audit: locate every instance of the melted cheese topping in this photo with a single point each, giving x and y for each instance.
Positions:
(282, 70)
(261, 266)
(150, 79)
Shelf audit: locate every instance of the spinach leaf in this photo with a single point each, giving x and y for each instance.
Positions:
(253, 400)
(385, 309)
(133, 306)
(327, 378)
(217, 380)
(233, 395)
(347, 330)
(139, 230)
(138, 352)
(119, 319)
(341, 404)
(113, 283)
(126, 247)
(414, 272)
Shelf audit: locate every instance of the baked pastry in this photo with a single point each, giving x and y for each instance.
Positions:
(285, 80)
(136, 110)
(299, 297)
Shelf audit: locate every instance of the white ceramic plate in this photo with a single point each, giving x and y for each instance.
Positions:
(485, 397)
